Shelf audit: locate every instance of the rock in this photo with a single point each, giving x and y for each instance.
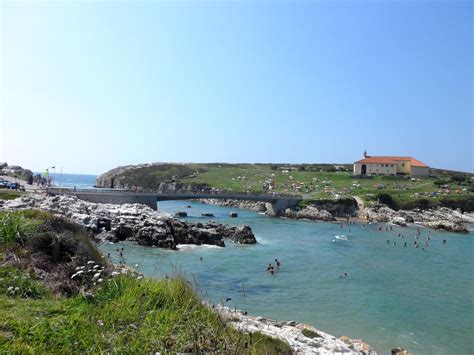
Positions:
(133, 222)
(293, 334)
(242, 235)
(157, 236)
(399, 221)
(437, 218)
(400, 351)
(447, 226)
(106, 236)
(243, 204)
(181, 214)
(207, 214)
(309, 212)
(233, 214)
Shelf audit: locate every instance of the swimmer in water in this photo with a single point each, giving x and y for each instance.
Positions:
(277, 263)
(388, 241)
(405, 245)
(200, 258)
(444, 241)
(344, 274)
(394, 243)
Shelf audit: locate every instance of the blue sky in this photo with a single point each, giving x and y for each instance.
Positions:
(92, 85)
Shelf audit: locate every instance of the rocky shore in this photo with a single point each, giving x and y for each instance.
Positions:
(439, 218)
(246, 205)
(302, 338)
(133, 222)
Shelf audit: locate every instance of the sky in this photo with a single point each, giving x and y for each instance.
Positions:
(90, 85)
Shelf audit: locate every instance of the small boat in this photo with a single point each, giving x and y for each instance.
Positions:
(207, 214)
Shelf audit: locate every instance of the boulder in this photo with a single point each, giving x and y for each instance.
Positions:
(309, 212)
(242, 235)
(157, 236)
(399, 221)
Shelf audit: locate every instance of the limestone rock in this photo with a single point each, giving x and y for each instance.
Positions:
(309, 212)
(133, 222)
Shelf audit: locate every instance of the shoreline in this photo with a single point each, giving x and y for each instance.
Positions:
(440, 218)
(291, 332)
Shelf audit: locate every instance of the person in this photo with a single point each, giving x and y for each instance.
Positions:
(269, 267)
(277, 263)
(444, 241)
(200, 258)
(405, 245)
(344, 274)
(388, 241)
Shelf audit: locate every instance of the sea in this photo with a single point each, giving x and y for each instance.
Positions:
(392, 296)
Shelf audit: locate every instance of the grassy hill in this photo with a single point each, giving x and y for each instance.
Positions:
(310, 181)
(48, 306)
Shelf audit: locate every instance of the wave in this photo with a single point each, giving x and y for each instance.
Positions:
(340, 237)
(194, 246)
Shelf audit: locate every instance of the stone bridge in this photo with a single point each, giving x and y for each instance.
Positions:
(276, 204)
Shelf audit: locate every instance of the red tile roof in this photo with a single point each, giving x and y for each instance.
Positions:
(392, 160)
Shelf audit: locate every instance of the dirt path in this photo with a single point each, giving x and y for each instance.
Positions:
(360, 204)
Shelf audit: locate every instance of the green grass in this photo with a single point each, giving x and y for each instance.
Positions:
(6, 194)
(318, 181)
(125, 315)
(310, 334)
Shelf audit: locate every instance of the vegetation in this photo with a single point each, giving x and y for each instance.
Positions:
(310, 334)
(311, 181)
(6, 194)
(51, 302)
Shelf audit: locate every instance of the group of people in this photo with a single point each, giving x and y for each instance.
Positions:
(416, 244)
(272, 269)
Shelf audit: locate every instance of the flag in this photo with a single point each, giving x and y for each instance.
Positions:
(53, 167)
(46, 173)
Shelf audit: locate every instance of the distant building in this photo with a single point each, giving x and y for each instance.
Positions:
(387, 165)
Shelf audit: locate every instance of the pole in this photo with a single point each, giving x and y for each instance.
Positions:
(61, 180)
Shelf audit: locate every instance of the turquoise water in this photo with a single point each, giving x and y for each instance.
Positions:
(392, 296)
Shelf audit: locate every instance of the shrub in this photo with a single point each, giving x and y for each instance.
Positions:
(387, 200)
(441, 182)
(14, 228)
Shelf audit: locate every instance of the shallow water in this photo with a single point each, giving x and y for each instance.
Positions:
(392, 296)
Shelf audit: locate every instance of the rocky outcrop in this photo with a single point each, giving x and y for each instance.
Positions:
(134, 222)
(17, 172)
(323, 210)
(302, 338)
(438, 218)
(309, 212)
(242, 204)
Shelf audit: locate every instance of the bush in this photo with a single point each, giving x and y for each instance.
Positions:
(458, 178)
(386, 199)
(441, 182)
(14, 228)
